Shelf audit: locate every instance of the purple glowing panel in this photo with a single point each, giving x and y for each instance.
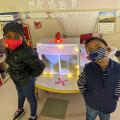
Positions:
(59, 59)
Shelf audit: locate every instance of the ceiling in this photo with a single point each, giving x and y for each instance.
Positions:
(70, 14)
(56, 5)
(73, 22)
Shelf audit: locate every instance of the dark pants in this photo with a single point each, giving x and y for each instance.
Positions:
(27, 91)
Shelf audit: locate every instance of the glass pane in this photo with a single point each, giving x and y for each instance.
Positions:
(59, 58)
(52, 64)
(69, 64)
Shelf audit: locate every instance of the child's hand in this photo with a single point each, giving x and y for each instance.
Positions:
(116, 98)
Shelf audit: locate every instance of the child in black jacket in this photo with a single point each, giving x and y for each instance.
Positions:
(24, 66)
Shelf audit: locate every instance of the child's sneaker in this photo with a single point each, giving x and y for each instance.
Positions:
(33, 118)
(18, 114)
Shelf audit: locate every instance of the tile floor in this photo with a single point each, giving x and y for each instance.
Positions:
(75, 111)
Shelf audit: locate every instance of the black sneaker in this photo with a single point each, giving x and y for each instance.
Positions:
(31, 118)
(18, 114)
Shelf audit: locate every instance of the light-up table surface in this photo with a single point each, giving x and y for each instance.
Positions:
(59, 84)
(63, 66)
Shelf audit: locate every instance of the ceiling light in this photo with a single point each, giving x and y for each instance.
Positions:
(39, 4)
(31, 3)
(51, 4)
(74, 3)
(61, 4)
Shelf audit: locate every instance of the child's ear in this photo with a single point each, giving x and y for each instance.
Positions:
(88, 58)
(109, 49)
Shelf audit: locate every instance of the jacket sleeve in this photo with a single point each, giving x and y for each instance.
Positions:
(117, 91)
(82, 83)
(32, 61)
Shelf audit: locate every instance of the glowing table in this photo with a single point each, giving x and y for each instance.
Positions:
(62, 68)
(59, 84)
(62, 77)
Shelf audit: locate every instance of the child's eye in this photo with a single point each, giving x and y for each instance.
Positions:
(8, 37)
(98, 47)
(92, 51)
(16, 37)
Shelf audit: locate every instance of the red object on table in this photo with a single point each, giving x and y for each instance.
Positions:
(84, 37)
(58, 38)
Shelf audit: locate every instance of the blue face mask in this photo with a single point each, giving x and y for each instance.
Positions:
(98, 54)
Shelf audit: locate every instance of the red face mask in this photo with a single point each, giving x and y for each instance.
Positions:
(13, 44)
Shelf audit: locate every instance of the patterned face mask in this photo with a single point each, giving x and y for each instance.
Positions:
(98, 54)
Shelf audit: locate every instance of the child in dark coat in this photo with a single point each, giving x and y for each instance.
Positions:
(100, 80)
(24, 66)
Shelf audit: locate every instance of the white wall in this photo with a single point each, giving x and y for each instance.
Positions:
(23, 5)
(113, 40)
(49, 28)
